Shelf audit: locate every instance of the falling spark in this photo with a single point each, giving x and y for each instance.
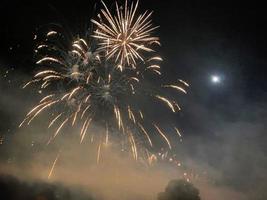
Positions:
(53, 166)
(98, 153)
(51, 59)
(106, 140)
(163, 135)
(60, 127)
(178, 132)
(145, 132)
(185, 83)
(54, 120)
(51, 33)
(175, 87)
(167, 102)
(85, 130)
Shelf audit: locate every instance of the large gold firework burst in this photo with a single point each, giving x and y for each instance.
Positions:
(87, 86)
(125, 35)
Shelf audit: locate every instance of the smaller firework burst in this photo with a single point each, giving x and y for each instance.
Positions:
(124, 36)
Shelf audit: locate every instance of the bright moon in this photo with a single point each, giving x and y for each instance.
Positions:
(215, 79)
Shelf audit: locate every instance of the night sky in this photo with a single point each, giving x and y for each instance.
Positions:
(223, 123)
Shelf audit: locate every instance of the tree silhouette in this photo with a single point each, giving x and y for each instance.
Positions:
(179, 190)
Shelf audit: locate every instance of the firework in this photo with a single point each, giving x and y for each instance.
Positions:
(125, 35)
(97, 80)
(53, 166)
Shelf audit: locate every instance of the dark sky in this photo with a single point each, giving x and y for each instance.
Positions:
(199, 39)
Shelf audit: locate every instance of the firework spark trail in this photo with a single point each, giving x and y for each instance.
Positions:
(107, 135)
(178, 132)
(98, 153)
(83, 132)
(53, 166)
(163, 135)
(146, 134)
(133, 146)
(60, 127)
(54, 120)
(185, 83)
(166, 101)
(175, 87)
(46, 105)
(101, 79)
